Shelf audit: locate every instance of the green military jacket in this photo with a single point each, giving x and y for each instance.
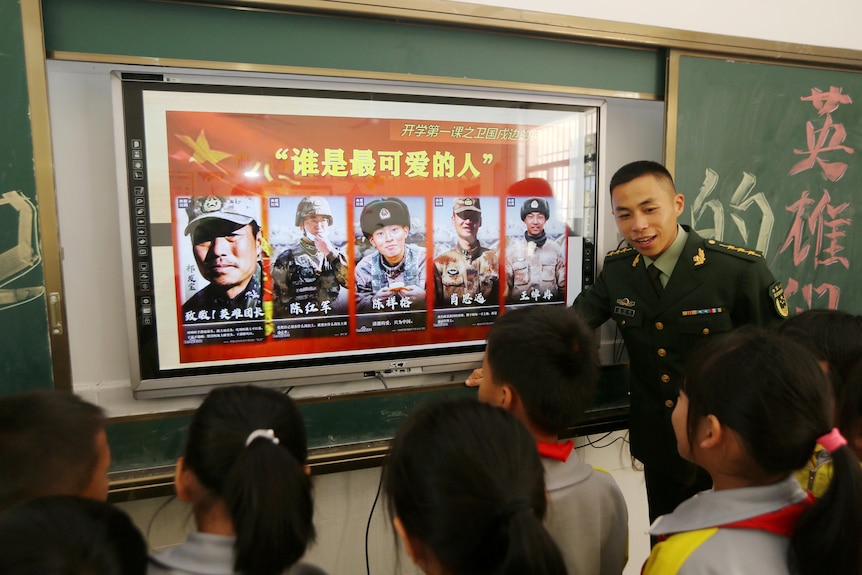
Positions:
(714, 288)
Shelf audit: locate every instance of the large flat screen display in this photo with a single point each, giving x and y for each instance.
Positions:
(288, 234)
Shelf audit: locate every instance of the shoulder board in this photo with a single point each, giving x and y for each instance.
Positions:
(737, 251)
(626, 251)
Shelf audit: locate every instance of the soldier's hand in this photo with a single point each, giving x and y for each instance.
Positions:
(413, 293)
(323, 245)
(475, 378)
(384, 293)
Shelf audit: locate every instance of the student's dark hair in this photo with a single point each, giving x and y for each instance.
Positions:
(66, 535)
(264, 483)
(770, 390)
(834, 337)
(47, 445)
(849, 414)
(465, 479)
(635, 170)
(549, 356)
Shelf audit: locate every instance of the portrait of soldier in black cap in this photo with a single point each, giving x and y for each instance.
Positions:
(393, 277)
(535, 262)
(226, 244)
(309, 277)
(469, 273)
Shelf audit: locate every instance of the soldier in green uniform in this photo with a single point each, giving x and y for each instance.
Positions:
(667, 291)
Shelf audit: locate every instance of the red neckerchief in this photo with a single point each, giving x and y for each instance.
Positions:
(781, 522)
(560, 451)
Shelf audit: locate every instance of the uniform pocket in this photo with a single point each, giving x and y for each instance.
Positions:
(627, 317)
(705, 323)
(452, 280)
(520, 273)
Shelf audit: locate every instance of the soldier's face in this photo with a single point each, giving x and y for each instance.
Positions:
(226, 253)
(535, 223)
(390, 241)
(646, 211)
(315, 225)
(467, 224)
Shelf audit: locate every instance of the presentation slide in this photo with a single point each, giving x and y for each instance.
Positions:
(278, 226)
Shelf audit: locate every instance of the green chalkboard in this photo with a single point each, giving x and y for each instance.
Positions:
(769, 156)
(156, 442)
(25, 353)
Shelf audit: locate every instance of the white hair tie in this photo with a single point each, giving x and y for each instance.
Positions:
(266, 433)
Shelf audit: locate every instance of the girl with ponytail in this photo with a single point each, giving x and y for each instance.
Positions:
(244, 473)
(751, 409)
(466, 492)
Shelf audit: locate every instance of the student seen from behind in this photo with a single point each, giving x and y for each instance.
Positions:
(541, 364)
(835, 339)
(68, 535)
(751, 408)
(849, 413)
(466, 494)
(51, 443)
(244, 473)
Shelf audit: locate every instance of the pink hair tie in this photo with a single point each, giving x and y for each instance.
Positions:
(832, 440)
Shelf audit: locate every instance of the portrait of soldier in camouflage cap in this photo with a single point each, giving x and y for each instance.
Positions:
(309, 277)
(226, 244)
(469, 273)
(393, 277)
(535, 260)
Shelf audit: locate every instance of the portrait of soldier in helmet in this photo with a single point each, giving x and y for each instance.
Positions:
(391, 275)
(309, 276)
(535, 256)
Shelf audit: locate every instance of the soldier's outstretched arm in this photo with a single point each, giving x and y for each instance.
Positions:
(593, 305)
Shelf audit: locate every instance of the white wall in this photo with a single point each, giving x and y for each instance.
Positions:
(833, 24)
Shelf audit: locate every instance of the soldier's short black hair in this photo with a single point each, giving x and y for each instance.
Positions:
(549, 356)
(634, 170)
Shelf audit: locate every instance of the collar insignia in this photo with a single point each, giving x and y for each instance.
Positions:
(636, 260)
(700, 258)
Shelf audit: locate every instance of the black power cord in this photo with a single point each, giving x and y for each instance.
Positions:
(368, 525)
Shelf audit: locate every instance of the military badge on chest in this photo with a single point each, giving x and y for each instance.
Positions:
(625, 307)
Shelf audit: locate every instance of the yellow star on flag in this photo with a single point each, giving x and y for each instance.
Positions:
(202, 153)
